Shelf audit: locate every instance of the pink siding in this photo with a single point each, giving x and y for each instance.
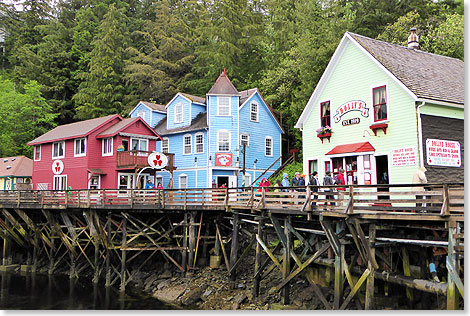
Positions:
(76, 167)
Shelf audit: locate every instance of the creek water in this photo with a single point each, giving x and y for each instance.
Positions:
(57, 292)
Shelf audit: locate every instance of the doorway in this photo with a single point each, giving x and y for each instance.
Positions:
(222, 180)
(381, 172)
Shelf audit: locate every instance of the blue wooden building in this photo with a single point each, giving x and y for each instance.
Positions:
(207, 136)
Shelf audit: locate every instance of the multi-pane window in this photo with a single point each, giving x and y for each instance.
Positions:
(187, 145)
(58, 150)
(199, 143)
(223, 140)
(380, 103)
(107, 146)
(254, 112)
(179, 112)
(183, 182)
(223, 107)
(80, 147)
(37, 153)
(139, 144)
(325, 114)
(60, 182)
(165, 145)
(245, 140)
(268, 141)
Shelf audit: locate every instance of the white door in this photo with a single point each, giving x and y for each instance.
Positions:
(232, 181)
(126, 181)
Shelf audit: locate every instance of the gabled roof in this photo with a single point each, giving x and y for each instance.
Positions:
(223, 85)
(19, 166)
(122, 125)
(194, 98)
(351, 148)
(73, 130)
(247, 94)
(424, 76)
(428, 76)
(154, 106)
(198, 123)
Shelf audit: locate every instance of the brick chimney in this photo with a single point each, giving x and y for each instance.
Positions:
(413, 39)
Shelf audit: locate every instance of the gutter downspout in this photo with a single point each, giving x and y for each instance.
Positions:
(420, 135)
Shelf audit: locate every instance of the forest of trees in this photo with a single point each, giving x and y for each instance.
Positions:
(72, 60)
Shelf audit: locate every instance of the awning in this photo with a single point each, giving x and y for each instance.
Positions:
(351, 148)
(96, 171)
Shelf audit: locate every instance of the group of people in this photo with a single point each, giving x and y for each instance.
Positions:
(150, 185)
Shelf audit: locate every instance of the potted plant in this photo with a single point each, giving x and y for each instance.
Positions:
(324, 132)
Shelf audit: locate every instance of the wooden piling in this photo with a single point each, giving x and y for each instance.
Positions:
(234, 245)
(258, 258)
(339, 271)
(192, 239)
(108, 251)
(184, 254)
(370, 279)
(6, 256)
(285, 298)
(452, 301)
(122, 287)
(407, 271)
(96, 244)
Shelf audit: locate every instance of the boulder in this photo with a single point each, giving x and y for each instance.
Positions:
(194, 295)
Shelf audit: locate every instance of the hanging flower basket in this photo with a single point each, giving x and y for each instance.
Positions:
(324, 132)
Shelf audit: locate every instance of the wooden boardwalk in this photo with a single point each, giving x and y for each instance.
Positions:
(360, 233)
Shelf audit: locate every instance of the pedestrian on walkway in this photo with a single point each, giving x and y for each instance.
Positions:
(328, 180)
(314, 183)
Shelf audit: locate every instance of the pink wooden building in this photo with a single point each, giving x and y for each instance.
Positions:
(101, 153)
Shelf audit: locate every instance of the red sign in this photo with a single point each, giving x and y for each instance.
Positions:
(356, 105)
(57, 167)
(223, 159)
(157, 160)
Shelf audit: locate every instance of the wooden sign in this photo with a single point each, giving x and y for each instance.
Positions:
(157, 160)
(445, 153)
(404, 157)
(57, 167)
(355, 105)
(352, 121)
(223, 159)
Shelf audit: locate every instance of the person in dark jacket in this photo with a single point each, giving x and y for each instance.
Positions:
(314, 182)
(328, 180)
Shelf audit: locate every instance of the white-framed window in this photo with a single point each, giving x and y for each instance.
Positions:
(140, 144)
(268, 141)
(80, 147)
(245, 139)
(141, 114)
(254, 113)
(223, 140)
(183, 181)
(165, 145)
(37, 153)
(58, 150)
(179, 112)
(223, 106)
(107, 146)
(199, 149)
(60, 182)
(187, 145)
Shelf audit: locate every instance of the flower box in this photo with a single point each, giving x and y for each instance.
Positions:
(382, 126)
(325, 135)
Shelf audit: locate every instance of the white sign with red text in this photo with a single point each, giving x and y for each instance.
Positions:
(404, 156)
(445, 153)
(157, 160)
(57, 167)
(355, 105)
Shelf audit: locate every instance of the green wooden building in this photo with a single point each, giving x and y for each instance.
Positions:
(381, 111)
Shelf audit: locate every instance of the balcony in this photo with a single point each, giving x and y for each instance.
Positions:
(138, 159)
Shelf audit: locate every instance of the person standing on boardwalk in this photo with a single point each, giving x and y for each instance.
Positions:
(328, 180)
(264, 183)
(419, 177)
(149, 185)
(314, 182)
(285, 180)
(341, 179)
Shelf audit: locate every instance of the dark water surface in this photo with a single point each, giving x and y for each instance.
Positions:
(39, 292)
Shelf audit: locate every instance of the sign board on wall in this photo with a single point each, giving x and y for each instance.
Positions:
(404, 156)
(355, 105)
(57, 167)
(224, 160)
(157, 160)
(445, 153)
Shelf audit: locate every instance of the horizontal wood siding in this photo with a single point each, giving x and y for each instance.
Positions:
(156, 118)
(266, 126)
(171, 113)
(196, 109)
(176, 147)
(354, 78)
(142, 108)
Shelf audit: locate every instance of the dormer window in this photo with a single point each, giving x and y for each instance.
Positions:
(179, 112)
(223, 106)
(141, 114)
(380, 103)
(254, 117)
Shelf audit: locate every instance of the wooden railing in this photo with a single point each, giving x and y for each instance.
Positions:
(436, 199)
(137, 159)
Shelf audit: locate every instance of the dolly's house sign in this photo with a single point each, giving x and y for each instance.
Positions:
(347, 107)
(444, 153)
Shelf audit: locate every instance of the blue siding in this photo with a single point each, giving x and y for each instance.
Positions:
(156, 118)
(176, 147)
(141, 108)
(186, 113)
(266, 126)
(196, 109)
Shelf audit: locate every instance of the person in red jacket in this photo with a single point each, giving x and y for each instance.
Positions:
(265, 183)
(341, 179)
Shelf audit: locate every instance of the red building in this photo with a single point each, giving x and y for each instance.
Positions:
(101, 153)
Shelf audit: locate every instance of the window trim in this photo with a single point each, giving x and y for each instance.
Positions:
(168, 145)
(321, 116)
(63, 176)
(36, 151)
(63, 145)
(177, 106)
(141, 114)
(248, 139)
(266, 147)
(229, 140)
(387, 118)
(190, 144)
(75, 147)
(110, 153)
(179, 180)
(229, 106)
(196, 143)
(255, 112)
(139, 139)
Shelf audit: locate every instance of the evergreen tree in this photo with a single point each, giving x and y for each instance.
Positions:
(102, 90)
